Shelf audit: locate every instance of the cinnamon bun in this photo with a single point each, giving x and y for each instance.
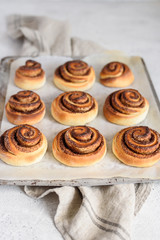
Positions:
(116, 74)
(125, 107)
(137, 146)
(25, 107)
(74, 108)
(74, 75)
(30, 76)
(79, 146)
(22, 145)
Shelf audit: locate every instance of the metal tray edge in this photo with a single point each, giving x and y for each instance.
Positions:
(5, 64)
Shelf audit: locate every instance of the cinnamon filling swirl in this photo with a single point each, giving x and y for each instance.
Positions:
(74, 71)
(22, 145)
(76, 102)
(30, 76)
(80, 140)
(141, 141)
(30, 69)
(25, 107)
(74, 75)
(137, 146)
(125, 107)
(127, 101)
(23, 138)
(25, 102)
(116, 74)
(114, 69)
(74, 108)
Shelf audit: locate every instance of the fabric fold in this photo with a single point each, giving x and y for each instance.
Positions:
(42, 36)
(104, 212)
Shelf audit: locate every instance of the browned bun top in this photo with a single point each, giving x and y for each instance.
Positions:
(21, 139)
(126, 101)
(140, 141)
(114, 69)
(80, 140)
(116, 74)
(30, 69)
(76, 101)
(75, 71)
(25, 102)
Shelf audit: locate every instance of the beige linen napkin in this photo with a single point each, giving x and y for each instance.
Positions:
(104, 212)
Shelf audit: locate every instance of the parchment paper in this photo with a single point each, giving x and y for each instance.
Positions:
(49, 168)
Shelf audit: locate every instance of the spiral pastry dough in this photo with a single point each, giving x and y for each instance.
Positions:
(30, 76)
(22, 145)
(116, 74)
(25, 107)
(137, 146)
(74, 108)
(74, 75)
(79, 146)
(125, 107)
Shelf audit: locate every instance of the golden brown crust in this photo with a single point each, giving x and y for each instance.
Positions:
(137, 146)
(79, 146)
(22, 145)
(74, 108)
(74, 75)
(116, 74)
(125, 107)
(30, 76)
(25, 107)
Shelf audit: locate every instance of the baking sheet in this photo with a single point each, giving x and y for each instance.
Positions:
(109, 170)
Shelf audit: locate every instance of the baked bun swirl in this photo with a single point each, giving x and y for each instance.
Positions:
(116, 74)
(79, 146)
(74, 75)
(125, 107)
(30, 76)
(74, 108)
(137, 146)
(25, 107)
(22, 145)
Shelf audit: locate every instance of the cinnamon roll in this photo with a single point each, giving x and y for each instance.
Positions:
(30, 76)
(74, 108)
(137, 146)
(125, 107)
(74, 75)
(79, 146)
(116, 74)
(22, 145)
(25, 107)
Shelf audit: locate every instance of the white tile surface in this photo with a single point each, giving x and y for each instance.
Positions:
(133, 27)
